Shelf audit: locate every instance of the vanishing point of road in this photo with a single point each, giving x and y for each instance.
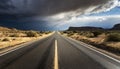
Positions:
(57, 52)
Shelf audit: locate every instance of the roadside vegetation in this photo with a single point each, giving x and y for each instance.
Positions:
(108, 40)
(12, 37)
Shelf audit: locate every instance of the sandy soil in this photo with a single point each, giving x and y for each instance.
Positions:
(13, 41)
(101, 39)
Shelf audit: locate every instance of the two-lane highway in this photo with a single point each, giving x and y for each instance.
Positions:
(56, 52)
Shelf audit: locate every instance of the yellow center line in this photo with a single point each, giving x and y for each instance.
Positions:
(56, 56)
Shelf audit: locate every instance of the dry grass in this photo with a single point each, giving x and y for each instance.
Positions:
(113, 44)
(13, 37)
(100, 39)
(13, 41)
(109, 40)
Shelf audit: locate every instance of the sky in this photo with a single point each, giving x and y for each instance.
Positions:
(58, 14)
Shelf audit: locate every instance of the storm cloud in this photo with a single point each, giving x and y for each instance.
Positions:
(53, 7)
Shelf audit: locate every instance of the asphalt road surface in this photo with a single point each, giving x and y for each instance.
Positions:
(57, 52)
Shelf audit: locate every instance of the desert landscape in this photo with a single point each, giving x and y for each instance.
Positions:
(107, 39)
(12, 37)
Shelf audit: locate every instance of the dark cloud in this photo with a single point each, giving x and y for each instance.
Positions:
(27, 25)
(50, 7)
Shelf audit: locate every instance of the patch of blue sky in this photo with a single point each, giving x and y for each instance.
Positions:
(114, 11)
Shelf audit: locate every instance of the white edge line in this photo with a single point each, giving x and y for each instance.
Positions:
(98, 52)
(9, 51)
(104, 55)
(17, 48)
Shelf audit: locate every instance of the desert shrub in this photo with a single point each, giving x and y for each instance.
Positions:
(64, 31)
(113, 37)
(6, 39)
(75, 31)
(13, 39)
(14, 35)
(96, 33)
(32, 34)
(86, 33)
(40, 34)
(46, 32)
(70, 34)
(85, 40)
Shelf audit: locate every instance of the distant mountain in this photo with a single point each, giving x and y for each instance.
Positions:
(4, 29)
(7, 29)
(84, 28)
(116, 27)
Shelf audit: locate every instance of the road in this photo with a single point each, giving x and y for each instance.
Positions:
(57, 52)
